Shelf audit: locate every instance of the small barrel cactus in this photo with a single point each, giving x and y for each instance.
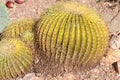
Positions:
(18, 29)
(15, 58)
(4, 16)
(71, 34)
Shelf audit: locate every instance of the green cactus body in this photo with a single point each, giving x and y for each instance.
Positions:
(15, 58)
(19, 29)
(70, 33)
(4, 16)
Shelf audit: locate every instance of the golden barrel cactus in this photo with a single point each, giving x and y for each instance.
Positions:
(73, 34)
(19, 28)
(15, 58)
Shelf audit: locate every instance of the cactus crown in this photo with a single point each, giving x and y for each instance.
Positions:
(27, 36)
(70, 7)
(4, 16)
(15, 58)
(74, 8)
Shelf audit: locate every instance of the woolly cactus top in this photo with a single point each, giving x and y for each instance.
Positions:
(11, 47)
(27, 36)
(75, 8)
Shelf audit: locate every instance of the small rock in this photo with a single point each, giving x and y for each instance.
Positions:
(116, 66)
(19, 79)
(36, 78)
(29, 76)
(112, 56)
(115, 40)
(69, 76)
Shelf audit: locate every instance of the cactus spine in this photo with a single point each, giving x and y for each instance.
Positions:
(15, 58)
(70, 33)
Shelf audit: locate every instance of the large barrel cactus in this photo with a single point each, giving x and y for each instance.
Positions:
(19, 29)
(4, 16)
(15, 58)
(71, 34)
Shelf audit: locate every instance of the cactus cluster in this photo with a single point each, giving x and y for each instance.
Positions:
(15, 58)
(73, 34)
(66, 34)
(15, 55)
(4, 16)
(20, 29)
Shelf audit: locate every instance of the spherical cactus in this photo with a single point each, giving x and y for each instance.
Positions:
(15, 58)
(72, 34)
(4, 16)
(18, 28)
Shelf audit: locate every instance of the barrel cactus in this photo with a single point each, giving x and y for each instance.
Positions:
(4, 16)
(15, 58)
(71, 34)
(19, 29)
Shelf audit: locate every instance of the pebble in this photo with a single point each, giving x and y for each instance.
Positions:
(69, 76)
(29, 76)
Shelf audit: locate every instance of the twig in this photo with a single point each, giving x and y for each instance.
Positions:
(115, 16)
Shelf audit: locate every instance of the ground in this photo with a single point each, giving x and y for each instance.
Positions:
(108, 10)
